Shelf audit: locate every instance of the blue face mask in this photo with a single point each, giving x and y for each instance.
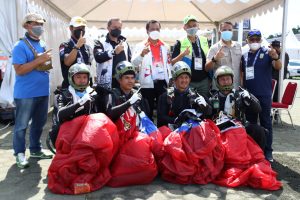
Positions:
(226, 35)
(192, 31)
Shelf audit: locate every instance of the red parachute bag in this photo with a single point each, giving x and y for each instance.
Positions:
(244, 162)
(85, 167)
(193, 153)
(134, 164)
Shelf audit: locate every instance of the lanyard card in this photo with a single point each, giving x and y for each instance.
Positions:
(250, 73)
(198, 64)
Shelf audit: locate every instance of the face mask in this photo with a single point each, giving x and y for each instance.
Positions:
(115, 32)
(254, 46)
(154, 35)
(37, 30)
(226, 35)
(77, 33)
(192, 31)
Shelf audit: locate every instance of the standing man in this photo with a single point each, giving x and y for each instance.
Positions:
(275, 73)
(193, 49)
(257, 67)
(108, 52)
(31, 90)
(152, 59)
(75, 50)
(225, 52)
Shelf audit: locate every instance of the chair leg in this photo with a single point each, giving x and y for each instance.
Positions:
(291, 119)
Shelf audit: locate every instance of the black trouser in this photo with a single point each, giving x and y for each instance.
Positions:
(258, 134)
(152, 94)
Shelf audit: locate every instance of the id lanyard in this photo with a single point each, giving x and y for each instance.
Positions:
(160, 55)
(254, 61)
(199, 48)
(80, 54)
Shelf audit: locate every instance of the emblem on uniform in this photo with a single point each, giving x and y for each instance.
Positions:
(261, 56)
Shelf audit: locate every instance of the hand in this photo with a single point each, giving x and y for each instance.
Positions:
(44, 57)
(186, 51)
(220, 54)
(134, 98)
(272, 53)
(200, 101)
(119, 48)
(146, 50)
(245, 94)
(84, 99)
(81, 41)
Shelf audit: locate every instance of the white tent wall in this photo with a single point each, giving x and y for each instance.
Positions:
(56, 31)
(11, 13)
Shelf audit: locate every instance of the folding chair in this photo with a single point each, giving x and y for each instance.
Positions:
(287, 101)
(274, 83)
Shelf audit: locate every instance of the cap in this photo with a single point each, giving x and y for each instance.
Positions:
(77, 21)
(33, 17)
(189, 18)
(275, 43)
(254, 32)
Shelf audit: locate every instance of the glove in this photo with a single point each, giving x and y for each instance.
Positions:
(200, 101)
(134, 98)
(245, 94)
(84, 99)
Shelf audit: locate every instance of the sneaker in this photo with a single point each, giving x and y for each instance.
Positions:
(269, 157)
(22, 161)
(40, 155)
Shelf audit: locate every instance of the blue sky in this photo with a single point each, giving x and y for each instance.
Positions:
(271, 22)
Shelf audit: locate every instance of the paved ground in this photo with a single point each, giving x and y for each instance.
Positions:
(31, 183)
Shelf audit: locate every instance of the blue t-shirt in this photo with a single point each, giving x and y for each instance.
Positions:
(261, 84)
(34, 83)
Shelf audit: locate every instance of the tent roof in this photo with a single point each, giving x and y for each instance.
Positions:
(135, 13)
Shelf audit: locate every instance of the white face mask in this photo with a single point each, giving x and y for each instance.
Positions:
(154, 35)
(254, 46)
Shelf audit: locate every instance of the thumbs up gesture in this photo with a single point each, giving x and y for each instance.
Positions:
(220, 54)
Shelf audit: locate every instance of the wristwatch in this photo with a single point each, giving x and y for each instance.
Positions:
(213, 59)
(276, 58)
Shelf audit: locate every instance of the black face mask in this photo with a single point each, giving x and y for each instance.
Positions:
(115, 32)
(77, 33)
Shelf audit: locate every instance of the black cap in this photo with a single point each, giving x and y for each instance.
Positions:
(275, 43)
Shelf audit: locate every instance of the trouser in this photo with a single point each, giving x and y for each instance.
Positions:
(258, 134)
(36, 110)
(265, 120)
(202, 87)
(152, 94)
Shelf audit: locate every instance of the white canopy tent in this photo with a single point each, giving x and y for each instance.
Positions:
(133, 13)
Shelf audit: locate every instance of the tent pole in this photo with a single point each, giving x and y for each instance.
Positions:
(240, 32)
(283, 50)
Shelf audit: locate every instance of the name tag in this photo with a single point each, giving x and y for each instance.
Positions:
(250, 73)
(198, 63)
(159, 67)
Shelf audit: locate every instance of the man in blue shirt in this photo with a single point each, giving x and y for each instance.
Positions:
(31, 91)
(257, 67)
